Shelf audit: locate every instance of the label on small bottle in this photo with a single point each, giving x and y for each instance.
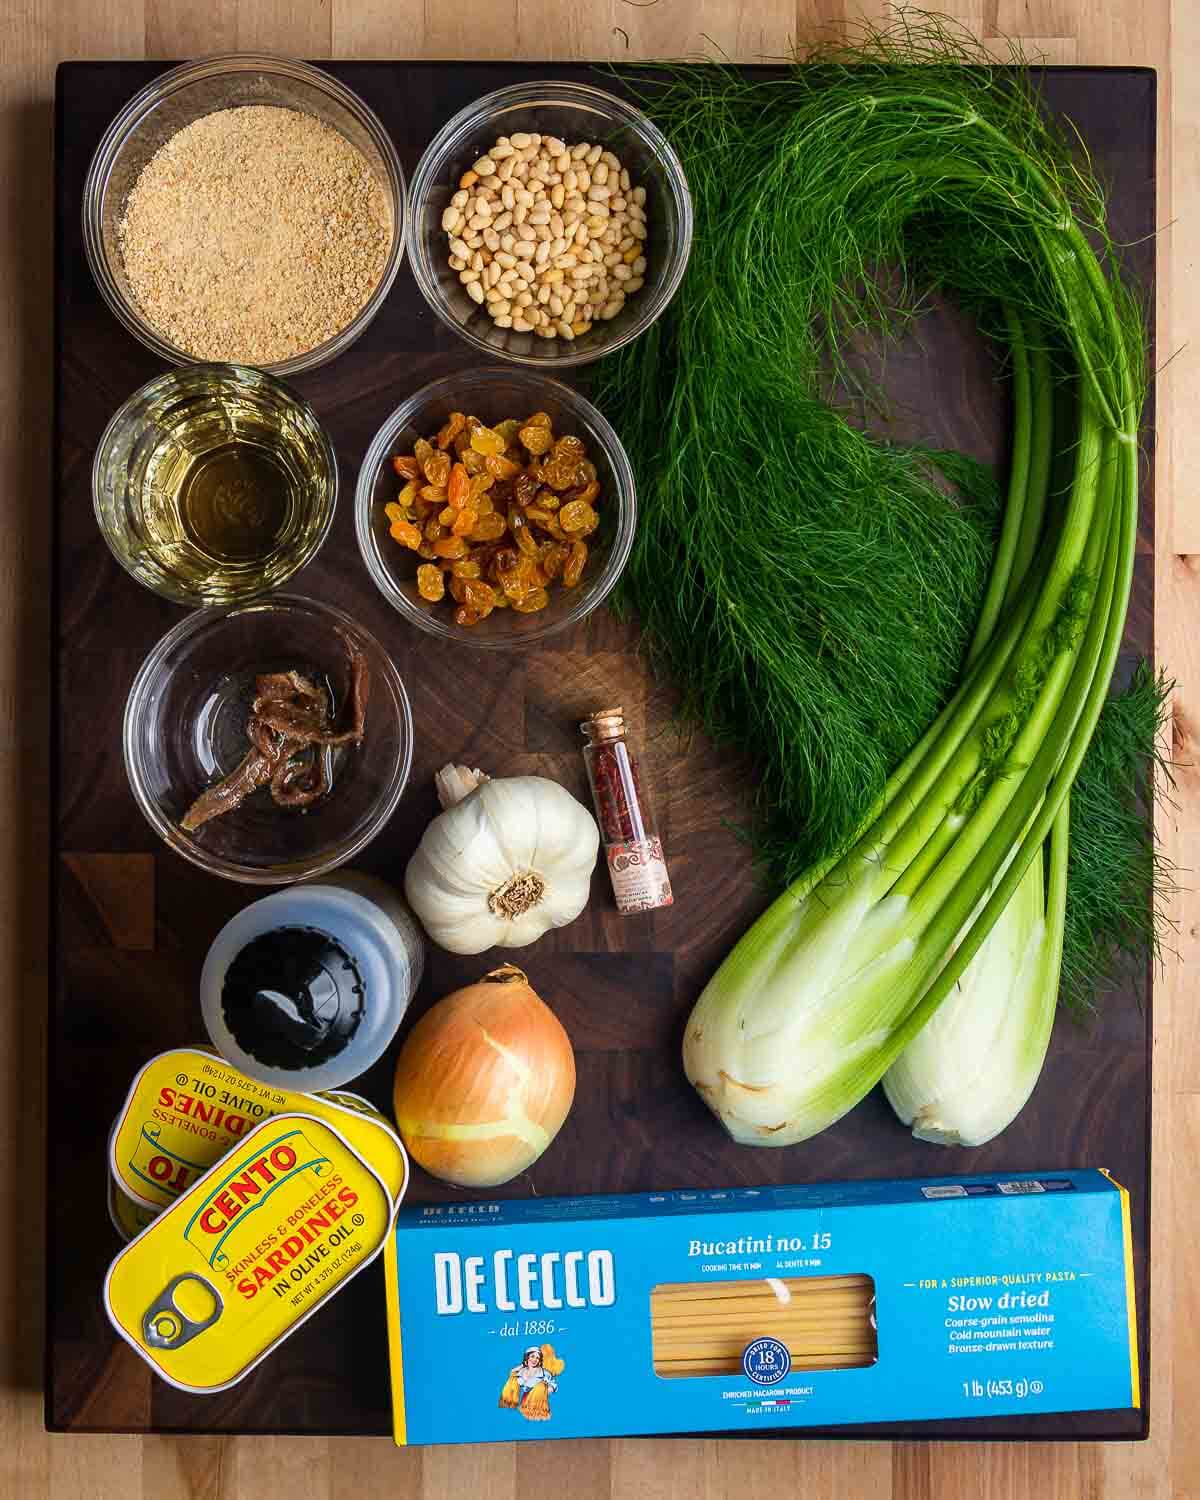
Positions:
(639, 875)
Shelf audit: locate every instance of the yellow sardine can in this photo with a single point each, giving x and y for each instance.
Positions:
(248, 1252)
(187, 1107)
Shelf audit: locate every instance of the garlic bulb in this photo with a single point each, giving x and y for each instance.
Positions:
(507, 860)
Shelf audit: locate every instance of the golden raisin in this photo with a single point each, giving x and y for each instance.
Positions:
(508, 429)
(489, 528)
(407, 533)
(464, 522)
(406, 466)
(431, 584)
(426, 550)
(529, 604)
(455, 424)
(422, 450)
(536, 438)
(468, 568)
(409, 493)
(435, 492)
(486, 441)
(553, 558)
(437, 469)
(434, 530)
(480, 485)
(525, 487)
(559, 473)
(501, 467)
(450, 546)
(573, 570)
(570, 447)
(394, 512)
(473, 462)
(466, 615)
(540, 419)
(458, 487)
(519, 527)
(577, 516)
(446, 517)
(479, 595)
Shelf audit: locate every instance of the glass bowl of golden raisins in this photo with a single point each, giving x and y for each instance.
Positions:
(496, 507)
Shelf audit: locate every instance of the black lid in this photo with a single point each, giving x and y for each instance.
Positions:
(293, 998)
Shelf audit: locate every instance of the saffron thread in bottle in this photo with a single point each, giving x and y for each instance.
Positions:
(631, 843)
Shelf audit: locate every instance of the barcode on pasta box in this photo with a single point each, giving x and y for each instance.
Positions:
(1031, 1186)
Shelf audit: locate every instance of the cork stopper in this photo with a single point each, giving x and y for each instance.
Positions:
(605, 724)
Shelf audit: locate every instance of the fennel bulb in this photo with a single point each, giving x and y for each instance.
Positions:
(970, 1070)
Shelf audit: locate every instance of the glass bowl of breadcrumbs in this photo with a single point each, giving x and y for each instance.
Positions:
(247, 209)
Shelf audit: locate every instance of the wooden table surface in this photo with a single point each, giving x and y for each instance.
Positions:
(34, 36)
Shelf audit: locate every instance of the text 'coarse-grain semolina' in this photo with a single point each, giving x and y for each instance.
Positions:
(254, 234)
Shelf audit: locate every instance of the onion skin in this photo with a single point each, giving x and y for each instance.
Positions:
(484, 1081)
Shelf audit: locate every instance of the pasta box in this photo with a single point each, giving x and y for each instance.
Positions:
(762, 1308)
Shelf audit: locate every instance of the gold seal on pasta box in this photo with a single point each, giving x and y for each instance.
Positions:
(186, 1108)
(248, 1252)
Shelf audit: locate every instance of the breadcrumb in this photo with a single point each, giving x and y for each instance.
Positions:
(254, 234)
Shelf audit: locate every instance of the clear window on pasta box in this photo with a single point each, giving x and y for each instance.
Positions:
(715, 1327)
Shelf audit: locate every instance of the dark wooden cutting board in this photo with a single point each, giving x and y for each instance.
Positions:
(132, 922)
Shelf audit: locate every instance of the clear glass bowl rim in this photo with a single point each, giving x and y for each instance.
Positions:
(135, 109)
(290, 872)
(559, 92)
(201, 368)
(379, 452)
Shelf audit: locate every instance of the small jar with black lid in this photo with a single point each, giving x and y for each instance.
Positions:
(305, 988)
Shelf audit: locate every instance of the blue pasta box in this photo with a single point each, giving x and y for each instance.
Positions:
(752, 1308)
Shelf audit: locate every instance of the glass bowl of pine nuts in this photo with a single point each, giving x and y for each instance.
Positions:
(550, 223)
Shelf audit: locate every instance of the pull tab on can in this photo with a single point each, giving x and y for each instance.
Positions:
(166, 1325)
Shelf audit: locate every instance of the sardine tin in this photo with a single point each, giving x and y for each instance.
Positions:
(248, 1253)
(128, 1218)
(187, 1107)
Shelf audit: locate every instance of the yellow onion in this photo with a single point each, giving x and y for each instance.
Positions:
(484, 1081)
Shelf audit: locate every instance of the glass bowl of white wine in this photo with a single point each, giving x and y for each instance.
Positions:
(213, 484)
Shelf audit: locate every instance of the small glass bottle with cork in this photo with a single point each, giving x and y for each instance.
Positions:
(627, 826)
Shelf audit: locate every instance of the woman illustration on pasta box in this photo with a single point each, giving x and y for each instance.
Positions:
(528, 1387)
